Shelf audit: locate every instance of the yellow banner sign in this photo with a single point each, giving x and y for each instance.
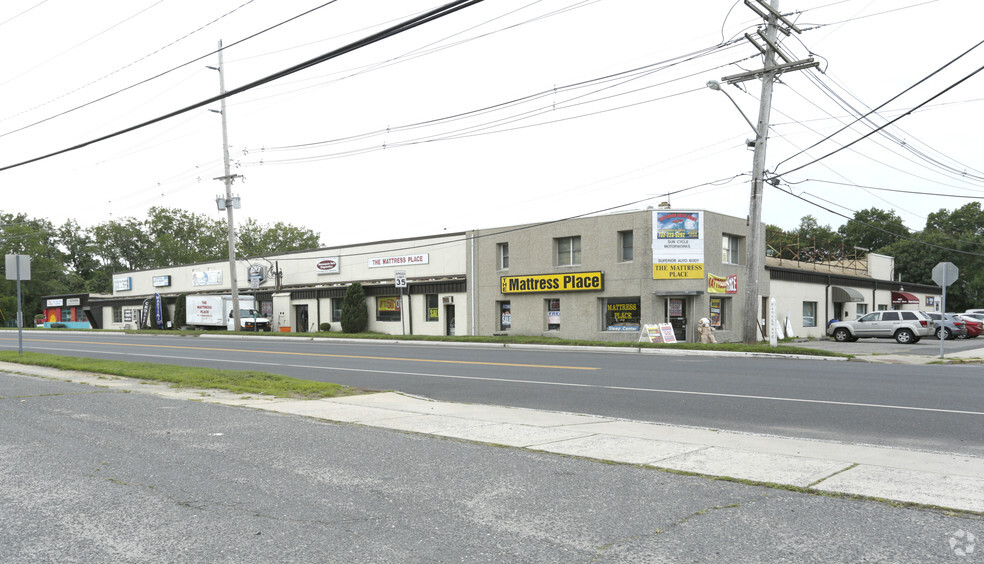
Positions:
(678, 271)
(722, 284)
(573, 282)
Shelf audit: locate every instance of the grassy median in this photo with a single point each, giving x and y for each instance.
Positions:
(237, 381)
(787, 346)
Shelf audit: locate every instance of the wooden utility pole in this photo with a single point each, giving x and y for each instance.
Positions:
(756, 247)
(228, 177)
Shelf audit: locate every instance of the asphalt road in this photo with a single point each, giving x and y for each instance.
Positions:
(92, 475)
(927, 407)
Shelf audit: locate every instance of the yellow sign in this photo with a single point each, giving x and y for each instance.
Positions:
(388, 303)
(678, 271)
(573, 282)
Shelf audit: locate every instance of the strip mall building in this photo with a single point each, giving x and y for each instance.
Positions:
(601, 278)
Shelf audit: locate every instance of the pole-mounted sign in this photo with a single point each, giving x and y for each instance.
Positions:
(944, 274)
(19, 268)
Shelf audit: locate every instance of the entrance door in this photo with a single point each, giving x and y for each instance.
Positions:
(301, 315)
(449, 320)
(676, 315)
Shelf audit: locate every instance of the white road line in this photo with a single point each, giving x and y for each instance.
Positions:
(543, 383)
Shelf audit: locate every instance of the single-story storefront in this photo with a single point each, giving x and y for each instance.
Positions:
(611, 277)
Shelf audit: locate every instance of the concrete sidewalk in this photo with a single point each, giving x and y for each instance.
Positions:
(935, 479)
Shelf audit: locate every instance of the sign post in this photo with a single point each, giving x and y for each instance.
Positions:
(944, 274)
(19, 268)
(401, 283)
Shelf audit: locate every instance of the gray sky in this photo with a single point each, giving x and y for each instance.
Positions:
(507, 112)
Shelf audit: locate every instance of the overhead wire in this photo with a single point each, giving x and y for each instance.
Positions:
(496, 125)
(156, 76)
(389, 32)
(873, 226)
(892, 99)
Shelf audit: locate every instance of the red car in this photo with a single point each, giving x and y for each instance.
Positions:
(974, 326)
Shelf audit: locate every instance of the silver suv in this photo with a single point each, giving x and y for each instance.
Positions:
(903, 326)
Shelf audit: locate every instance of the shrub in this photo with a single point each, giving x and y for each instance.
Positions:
(179, 310)
(355, 316)
(326, 327)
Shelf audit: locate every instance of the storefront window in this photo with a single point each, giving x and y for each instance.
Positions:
(505, 316)
(809, 314)
(388, 308)
(336, 309)
(553, 314)
(433, 309)
(717, 313)
(623, 314)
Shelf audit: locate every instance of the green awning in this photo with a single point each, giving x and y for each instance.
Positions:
(840, 294)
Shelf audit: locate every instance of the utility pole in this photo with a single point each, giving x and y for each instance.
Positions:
(756, 247)
(228, 203)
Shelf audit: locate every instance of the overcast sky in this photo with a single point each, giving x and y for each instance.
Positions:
(506, 112)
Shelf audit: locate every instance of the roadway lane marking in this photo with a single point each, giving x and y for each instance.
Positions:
(323, 355)
(561, 384)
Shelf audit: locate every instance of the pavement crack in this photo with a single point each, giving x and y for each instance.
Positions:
(842, 470)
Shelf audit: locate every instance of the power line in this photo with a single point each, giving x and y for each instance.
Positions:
(876, 130)
(924, 79)
(152, 78)
(389, 32)
(895, 190)
(872, 226)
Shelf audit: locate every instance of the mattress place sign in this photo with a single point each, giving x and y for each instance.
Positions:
(678, 245)
(405, 260)
(572, 282)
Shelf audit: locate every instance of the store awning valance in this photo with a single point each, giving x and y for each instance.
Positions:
(903, 298)
(841, 294)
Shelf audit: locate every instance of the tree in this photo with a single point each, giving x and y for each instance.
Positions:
(122, 245)
(257, 239)
(949, 236)
(181, 237)
(355, 315)
(811, 233)
(36, 238)
(180, 311)
(873, 229)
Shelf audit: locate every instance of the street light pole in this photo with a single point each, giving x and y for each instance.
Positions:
(755, 249)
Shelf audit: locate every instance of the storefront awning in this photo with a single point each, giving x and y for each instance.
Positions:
(840, 294)
(903, 298)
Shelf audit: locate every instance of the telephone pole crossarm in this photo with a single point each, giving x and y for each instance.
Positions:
(768, 72)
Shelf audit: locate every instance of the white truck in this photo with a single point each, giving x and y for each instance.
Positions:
(212, 311)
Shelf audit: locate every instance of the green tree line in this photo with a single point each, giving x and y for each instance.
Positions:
(948, 236)
(73, 259)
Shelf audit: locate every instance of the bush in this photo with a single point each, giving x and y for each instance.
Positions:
(179, 310)
(355, 316)
(326, 327)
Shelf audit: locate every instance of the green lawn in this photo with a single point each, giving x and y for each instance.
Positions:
(238, 381)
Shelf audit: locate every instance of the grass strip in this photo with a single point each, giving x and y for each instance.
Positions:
(237, 381)
(764, 347)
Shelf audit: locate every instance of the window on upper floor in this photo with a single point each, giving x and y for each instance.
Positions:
(568, 251)
(503, 252)
(625, 246)
(729, 249)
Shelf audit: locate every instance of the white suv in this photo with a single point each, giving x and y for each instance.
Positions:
(903, 326)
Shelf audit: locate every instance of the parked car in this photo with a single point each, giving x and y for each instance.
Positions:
(903, 326)
(975, 326)
(977, 316)
(951, 327)
(977, 311)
